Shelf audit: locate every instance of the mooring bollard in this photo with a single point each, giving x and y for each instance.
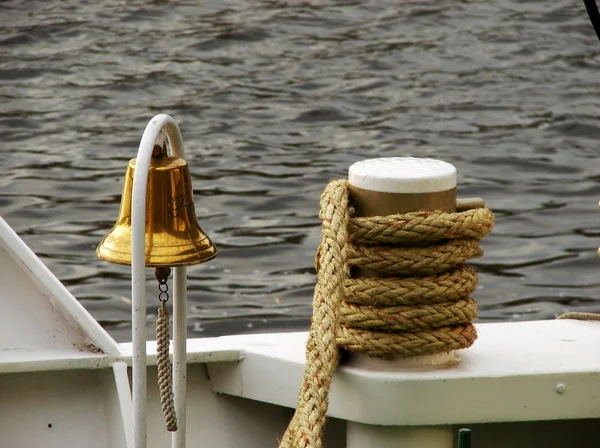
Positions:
(394, 285)
(380, 187)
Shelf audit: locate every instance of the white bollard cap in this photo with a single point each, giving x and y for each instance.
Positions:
(403, 175)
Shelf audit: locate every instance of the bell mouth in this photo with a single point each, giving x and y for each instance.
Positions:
(118, 250)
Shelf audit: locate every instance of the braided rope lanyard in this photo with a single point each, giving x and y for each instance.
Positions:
(165, 374)
(424, 308)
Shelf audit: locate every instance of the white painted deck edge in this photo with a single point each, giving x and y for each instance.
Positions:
(47, 359)
(199, 351)
(510, 374)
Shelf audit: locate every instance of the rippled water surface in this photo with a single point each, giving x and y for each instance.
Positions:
(276, 98)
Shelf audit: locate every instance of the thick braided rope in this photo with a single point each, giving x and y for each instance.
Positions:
(393, 318)
(165, 385)
(384, 345)
(446, 287)
(414, 260)
(322, 354)
(424, 308)
(422, 226)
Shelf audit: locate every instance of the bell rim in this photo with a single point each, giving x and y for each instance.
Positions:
(155, 264)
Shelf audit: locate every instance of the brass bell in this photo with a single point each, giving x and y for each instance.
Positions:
(173, 235)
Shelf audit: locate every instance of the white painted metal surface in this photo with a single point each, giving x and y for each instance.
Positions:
(41, 304)
(179, 354)
(403, 175)
(60, 378)
(58, 409)
(123, 403)
(138, 284)
(511, 374)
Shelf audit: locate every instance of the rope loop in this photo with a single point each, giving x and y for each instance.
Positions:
(420, 305)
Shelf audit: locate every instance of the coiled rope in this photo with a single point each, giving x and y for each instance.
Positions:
(425, 308)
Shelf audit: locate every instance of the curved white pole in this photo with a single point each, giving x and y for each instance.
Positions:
(138, 287)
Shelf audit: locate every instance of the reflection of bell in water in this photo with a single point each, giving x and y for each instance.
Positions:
(173, 235)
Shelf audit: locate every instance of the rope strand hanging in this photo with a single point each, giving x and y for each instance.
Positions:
(163, 364)
(424, 308)
(165, 373)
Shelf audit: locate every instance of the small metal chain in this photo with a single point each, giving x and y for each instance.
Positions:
(163, 296)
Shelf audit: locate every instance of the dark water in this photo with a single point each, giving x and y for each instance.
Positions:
(276, 98)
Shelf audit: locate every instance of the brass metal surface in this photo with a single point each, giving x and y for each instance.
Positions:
(377, 203)
(173, 235)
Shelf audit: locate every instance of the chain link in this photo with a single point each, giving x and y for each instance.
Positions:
(163, 296)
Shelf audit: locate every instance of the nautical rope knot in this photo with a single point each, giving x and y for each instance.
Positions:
(422, 306)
